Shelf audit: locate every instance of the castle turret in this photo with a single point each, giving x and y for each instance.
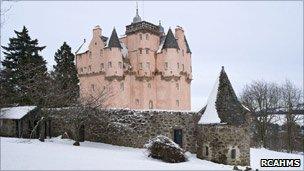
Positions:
(113, 56)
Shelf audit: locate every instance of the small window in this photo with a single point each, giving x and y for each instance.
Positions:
(140, 65)
(81, 69)
(177, 65)
(147, 36)
(177, 103)
(140, 51)
(148, 65)
(109, 64)
(137, 101)
(122, 87)
(233, 154)
(95, 43)
(206, 151)
(183, 67)
(90, 55)
(150, 104)
(93, 87)
(147, 51)
(120, 65)
(90, 68)
(177, 86)
(102, 66)
(166, 65)
(149, 85)
(140, 36)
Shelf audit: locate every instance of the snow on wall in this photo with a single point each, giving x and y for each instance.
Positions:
(15, 112)
(210, 116)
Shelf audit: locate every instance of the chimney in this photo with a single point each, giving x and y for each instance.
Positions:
(179, 33)
(97, 31)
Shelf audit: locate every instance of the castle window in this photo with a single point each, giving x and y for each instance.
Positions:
(233, 154)
(177, 103)
(206, 151)
(140, 51)
(93, 87)
(140, 65)
(177, 86)
(90, 68)
(177, 65)
(183, 67)
(81, 70)
(148, 65)
(149, 85)
(150, 104)
(95, 43)
(122, 87)
(147, 36)
(120, 65)
(109, 64)
(137, 101)
(147, 51)
(166, 65)
(140, 36)
(101, 66)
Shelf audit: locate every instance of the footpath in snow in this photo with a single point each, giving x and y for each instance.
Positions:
(60, 154)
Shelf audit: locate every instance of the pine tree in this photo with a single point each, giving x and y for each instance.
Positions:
(24, 70)
(65, 77)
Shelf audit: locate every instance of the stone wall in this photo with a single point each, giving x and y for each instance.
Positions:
(124, 127)
(220, 140)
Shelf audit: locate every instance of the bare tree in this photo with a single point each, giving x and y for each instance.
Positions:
(291, 98)
(261, 98)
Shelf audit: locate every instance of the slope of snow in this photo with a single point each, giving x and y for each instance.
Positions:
(210, 116)
(56, 153)
(61, 154)
(15, 112)
(257, 154)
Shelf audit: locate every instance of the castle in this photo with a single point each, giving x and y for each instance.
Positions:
(145, 69)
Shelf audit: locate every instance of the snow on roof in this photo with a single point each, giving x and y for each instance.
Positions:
(210, 116)
(15, 112)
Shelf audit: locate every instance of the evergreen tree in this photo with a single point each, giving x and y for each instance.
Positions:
(65, 77)
(24, 71)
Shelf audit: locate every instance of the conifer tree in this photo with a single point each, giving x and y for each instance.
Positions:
(24, 70)
(65, 77)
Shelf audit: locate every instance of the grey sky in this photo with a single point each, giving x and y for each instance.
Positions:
(254, 40)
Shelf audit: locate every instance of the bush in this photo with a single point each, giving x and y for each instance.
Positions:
(163, 148)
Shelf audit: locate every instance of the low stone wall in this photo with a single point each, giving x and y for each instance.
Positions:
(124, 127)
(217, 142)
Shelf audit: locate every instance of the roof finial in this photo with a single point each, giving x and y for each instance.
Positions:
(137, 18)
(136, 8)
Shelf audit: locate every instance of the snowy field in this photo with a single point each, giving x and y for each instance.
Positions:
(61, 154)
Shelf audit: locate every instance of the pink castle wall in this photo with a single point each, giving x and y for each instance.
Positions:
(148, 83)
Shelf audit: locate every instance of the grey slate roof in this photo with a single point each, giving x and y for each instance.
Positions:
(114, 41)
(170, 41)
(187, 45)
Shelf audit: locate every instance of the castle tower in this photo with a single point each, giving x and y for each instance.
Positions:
(144, 69)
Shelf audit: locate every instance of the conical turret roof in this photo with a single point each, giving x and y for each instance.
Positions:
(170, 41)
(223, 105)
(114, 41)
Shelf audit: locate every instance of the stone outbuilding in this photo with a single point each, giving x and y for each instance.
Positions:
(223, 130)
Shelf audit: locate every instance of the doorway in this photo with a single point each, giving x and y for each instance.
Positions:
(178, 137)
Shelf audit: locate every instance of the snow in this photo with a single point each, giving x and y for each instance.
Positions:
(257, 154)
(59, 154)
(210, 116)
(15, 112)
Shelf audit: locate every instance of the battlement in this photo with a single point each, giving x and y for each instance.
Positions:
(143, 26)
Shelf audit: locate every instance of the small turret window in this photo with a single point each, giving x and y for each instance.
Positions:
(166, 65)
(137, 101)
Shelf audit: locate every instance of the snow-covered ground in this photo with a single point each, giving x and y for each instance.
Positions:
(61, 154)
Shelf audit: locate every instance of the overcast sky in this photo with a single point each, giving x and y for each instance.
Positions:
(254, 40)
